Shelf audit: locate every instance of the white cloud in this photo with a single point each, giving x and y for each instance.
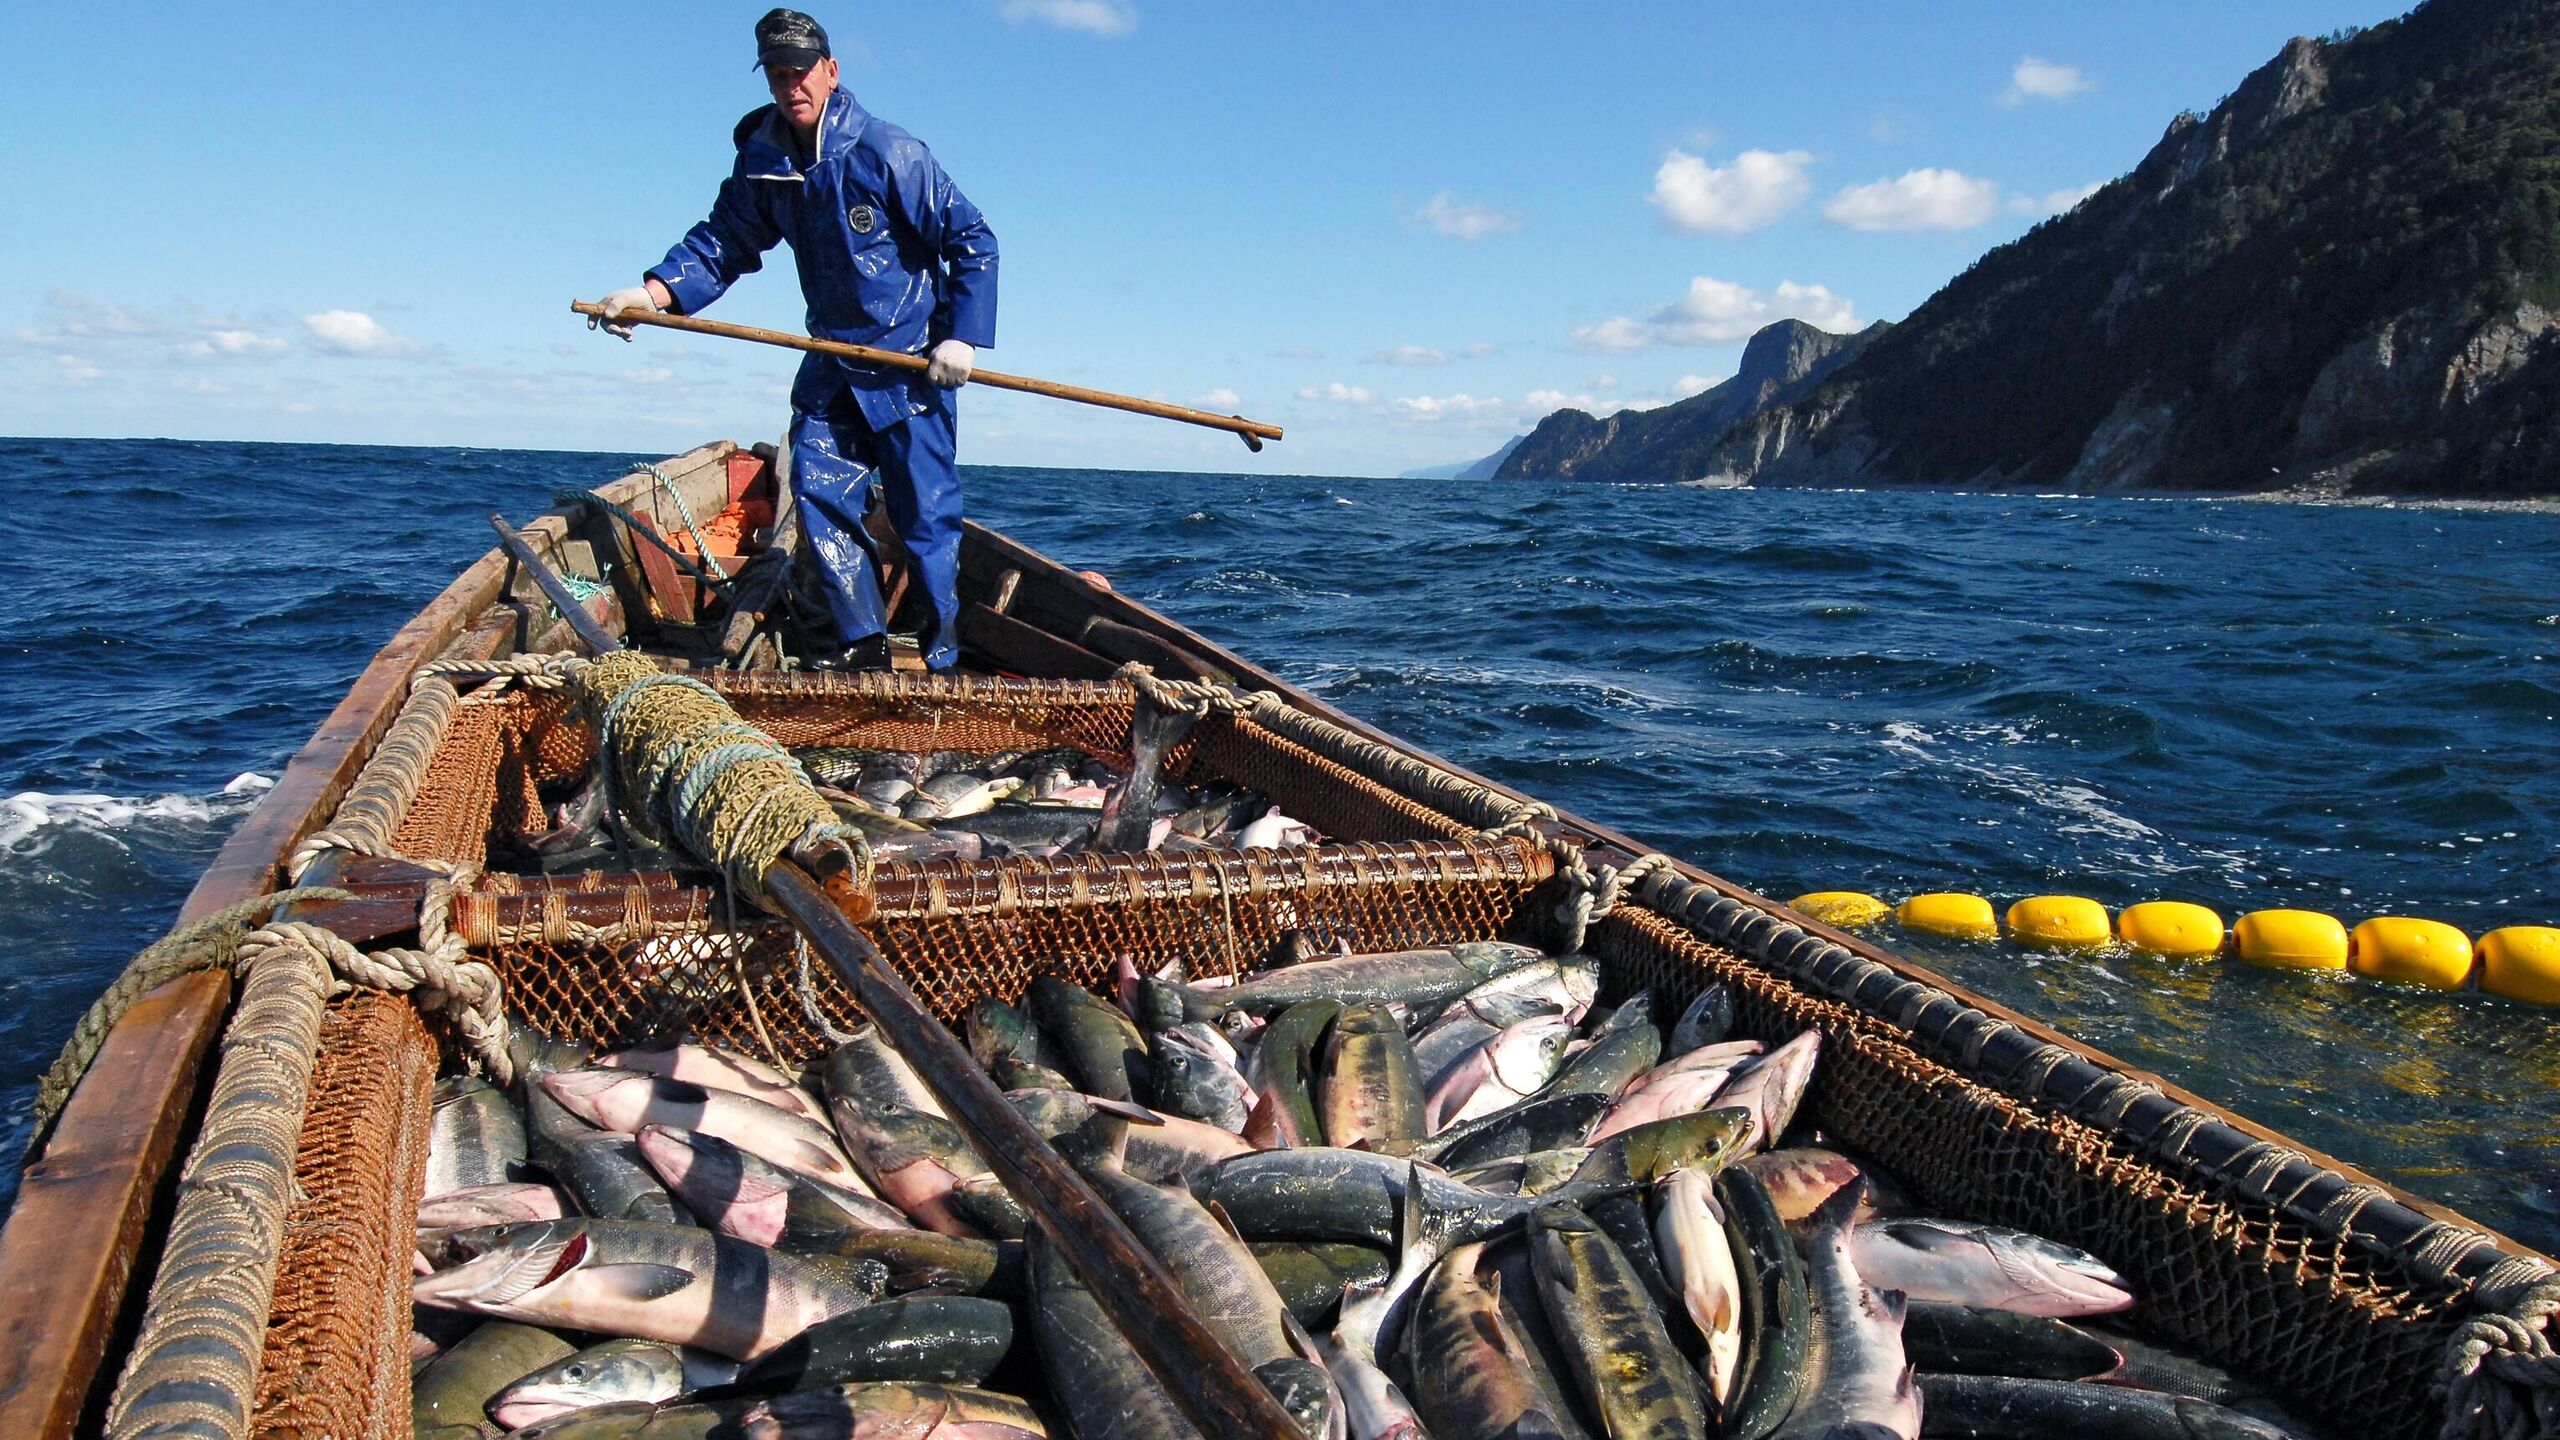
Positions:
(1616, 335)
(1409, 355)
(648, 375)
(1221, 398)
(75, 371)
(237, 344)
(1688, 385)
(1481, 349)
(1720, 312)
(2053, 202)
(1757, 189)
(1432, 409)
(1919, 200)
(1338, 393)
(1093, 17)
(2036, 79)
(1465, 219)
(353, 332)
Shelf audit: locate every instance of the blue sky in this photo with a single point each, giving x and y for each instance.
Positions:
(1403, 231)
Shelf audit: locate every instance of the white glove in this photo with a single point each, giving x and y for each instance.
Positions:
(635, 298)
(952, 362)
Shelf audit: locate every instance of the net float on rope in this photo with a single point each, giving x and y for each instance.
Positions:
(2290, 940)
(2058, 922)
(2522, 962)
(1956, 916)
(2173, 929)
(1847, 909)
(2410, 951)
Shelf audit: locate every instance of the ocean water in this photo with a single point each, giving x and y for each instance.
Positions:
(2242, 704)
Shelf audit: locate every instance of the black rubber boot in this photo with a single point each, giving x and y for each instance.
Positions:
(869, 653)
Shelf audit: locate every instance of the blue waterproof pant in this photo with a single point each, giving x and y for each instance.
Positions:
(837, 462)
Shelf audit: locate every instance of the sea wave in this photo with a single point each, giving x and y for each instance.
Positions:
(32, 821)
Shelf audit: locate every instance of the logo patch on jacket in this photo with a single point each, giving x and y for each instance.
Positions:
(861, 218)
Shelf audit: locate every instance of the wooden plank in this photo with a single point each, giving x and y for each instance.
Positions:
(1115, 641)
(1051, 588)
(1027, 649)
(84, 1212)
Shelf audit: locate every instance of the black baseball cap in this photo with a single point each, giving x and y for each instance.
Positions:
(790, 40)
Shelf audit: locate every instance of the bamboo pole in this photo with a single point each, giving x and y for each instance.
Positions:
(1204, 1377)
(1252, 432)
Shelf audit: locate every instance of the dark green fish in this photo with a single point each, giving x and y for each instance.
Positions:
(944, 1339)
(1972, 1340)
(1473, 1376)
(1104, 1051)
(1777, 1316)
(1106, 1390)
(2000, 1407)
(1316, 1193)
(1549, 1123)
(1626, 1046)
(924, 1260)
(1415, 978)
(612, 1181)
(1707, 1021)
(457, 1388)
(1285, 1071)
(902, 1410)
(1614, 1337)
(1370, 1089)
(1311, 1275)
(1706, 1140)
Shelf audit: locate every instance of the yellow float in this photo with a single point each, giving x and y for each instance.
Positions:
(2291, 940)
(2522, 962)
(1958, 917)
(2410, 951)
(2065, 922)
(1847, 909)
(2172, 928)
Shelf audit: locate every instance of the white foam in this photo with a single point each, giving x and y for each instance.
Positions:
(32, 820)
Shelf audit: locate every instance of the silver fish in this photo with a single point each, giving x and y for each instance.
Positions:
(617, 1370)
(740, 1195)
(1963, 1262)
(625, 1100)
(476, 1137)
(1855, 1378)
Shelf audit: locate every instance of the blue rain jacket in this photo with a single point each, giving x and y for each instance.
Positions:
(891, 254)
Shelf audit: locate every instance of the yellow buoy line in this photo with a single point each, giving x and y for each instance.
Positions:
(2519, 962)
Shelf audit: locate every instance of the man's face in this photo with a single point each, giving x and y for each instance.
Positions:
(802, 94)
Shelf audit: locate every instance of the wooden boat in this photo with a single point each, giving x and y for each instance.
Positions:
(2362, 1306)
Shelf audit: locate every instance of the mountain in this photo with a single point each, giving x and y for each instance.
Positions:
(2347, 276)
(1675, 442)
(1467, 469)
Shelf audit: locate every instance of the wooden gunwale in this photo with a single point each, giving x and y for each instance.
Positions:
(80, 1227)
(84, 1212)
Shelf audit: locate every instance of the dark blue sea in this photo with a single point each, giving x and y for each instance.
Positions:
(2242, 704)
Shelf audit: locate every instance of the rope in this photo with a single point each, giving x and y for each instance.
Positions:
(680, 764)
(370, 816)
(699, 570)
(533, 672)
(2501, 1377)
(808, 993)
(1591, 895)
(701, 546)
(207, 944)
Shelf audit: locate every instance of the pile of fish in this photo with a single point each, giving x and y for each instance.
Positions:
(1430, 1193)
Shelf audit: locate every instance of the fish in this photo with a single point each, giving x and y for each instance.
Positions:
(957, 794)
(720, 1070)
(457, 1387)
(1626, 1046)
(923, 1260)
(1706, 1141)
(1855, 1379)
(1195, 1077)
(475, 1138)
(1614, 1339)
(1773, 1085)
(1128, 815)
(1973, 1340)
(1535, 1173)
(1550, 1123)
(1801, 1177)
(1106, 1390)
(1473, 1376)
(943, 1339)
(751, 1199)
(1777, 1311)
(1371, 1091)
(489, 1205)
(1311, 1276)
(1693, 1087)
(1216, 815)
(638, 1420)
(1168, 1148)
(656, 1371)
(1963, 1262)
(1275, 831)
(1697, 1257)
(1029, 826)
(892, 1411)
(645, 1281)
(1218, 1274)
(1319, 1193)
(625, 1100)
(918, 1160)
(2007, 1408)
(611, 1181)
(1105, 1053)
(1283, 1075)
(1413, 978)
(997, 1033)
(1707, 1021)
(1509, 1068)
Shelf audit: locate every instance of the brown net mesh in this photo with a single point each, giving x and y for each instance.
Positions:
(2231, 1282)
(337, 1359)
(960, 932)
(482, 787)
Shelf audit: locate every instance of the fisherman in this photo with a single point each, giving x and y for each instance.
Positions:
(891, 255)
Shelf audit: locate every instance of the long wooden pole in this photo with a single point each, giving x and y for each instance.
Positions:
(1253, 432)
(1202, 1375)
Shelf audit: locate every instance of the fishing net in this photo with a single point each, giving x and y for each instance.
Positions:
(336, 1365)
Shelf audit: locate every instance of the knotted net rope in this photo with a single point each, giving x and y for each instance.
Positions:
(680, 766)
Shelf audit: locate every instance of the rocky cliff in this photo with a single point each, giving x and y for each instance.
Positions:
(2345, 276)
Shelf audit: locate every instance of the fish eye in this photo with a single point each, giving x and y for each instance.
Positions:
(575, 1372)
